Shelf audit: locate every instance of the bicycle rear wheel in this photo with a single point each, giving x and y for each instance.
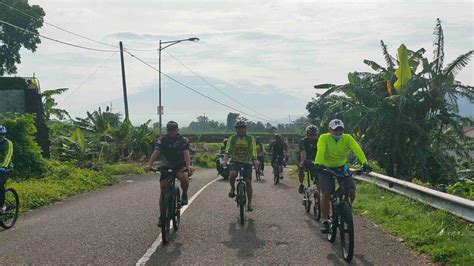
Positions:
(346, 228)
(12, 204)
(257, 173)
(167, 215)
(177, 210)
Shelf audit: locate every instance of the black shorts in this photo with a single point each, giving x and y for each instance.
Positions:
(238, 167)
(327, 182)
(169, 172)
(278, 159)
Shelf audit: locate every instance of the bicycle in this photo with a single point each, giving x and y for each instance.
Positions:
(12, 204)
(341, 215)
(258, 172)
(171, 206)
(311, 194)
(241, 197)
(224, 169)
(276, 170)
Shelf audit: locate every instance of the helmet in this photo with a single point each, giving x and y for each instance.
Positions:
(257, 138)
(277, 136)
(172, 125)
(240, 123)
(224, 141)
(312, 130)
(335, 123)
(3, 130)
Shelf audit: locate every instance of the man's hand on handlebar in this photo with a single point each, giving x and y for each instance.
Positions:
(366, 168)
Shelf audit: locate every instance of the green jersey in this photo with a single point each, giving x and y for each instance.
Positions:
(6, 153)
(241, 149)
(332, 153)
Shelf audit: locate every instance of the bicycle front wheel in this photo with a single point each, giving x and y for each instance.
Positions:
(276, 178)
(317, 206)
(346, 228)
(177, 210)
(307, 201)
(166, 216)
(241, 201)
(12, 204)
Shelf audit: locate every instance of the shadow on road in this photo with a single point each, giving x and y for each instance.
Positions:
(172, 251)
(244, 239)
(283, 186)
(336, 257)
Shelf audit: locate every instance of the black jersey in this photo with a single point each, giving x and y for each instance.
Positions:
(310, 147)
(172, 150)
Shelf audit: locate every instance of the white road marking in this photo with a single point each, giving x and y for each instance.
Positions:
(157, 243)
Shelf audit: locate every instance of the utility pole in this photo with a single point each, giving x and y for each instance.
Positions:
(124, 82)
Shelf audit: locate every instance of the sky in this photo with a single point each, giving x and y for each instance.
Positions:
(266, 54)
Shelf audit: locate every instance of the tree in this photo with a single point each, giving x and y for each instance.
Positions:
(12, 39)
(406, 120)
(49, 104)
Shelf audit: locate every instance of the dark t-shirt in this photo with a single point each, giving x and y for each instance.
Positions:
(277, 148)
(172, 150)
(310, 147)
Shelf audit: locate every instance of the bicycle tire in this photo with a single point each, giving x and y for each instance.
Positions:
(346, 229)
(276, 178)
(177, 210)
(317, 206)
(241, 201)
(257, 174)
(307, 201)
(12, 202)
(333, 224)
(166, 217)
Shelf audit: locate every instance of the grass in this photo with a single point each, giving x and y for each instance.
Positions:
(444, 237)
(65, 180)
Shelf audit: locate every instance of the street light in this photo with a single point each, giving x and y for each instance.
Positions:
(168, 44)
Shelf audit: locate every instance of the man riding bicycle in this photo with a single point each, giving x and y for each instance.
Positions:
(307, 154)
(6, 155)
(332, 151)
(174, 152)
(221, 153)
(278, 149)
(260, 155)
(243, 151)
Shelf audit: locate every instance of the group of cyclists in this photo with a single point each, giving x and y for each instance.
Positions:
(329, 150)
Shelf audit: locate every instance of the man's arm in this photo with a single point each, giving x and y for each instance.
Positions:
(319, 159)
(227, 150)
(357, 150)
(7, 156)
(187, 160)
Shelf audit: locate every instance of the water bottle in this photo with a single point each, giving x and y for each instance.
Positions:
(346, 169)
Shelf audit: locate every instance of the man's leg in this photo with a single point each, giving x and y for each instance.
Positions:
(301, 179)
(218, 166)
(248, 181)
(232, 177)
(327, 186)
(184, 182)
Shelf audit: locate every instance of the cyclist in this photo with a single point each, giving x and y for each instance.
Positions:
(307, 154)
(332, 151)
(278, 149)
(260, 154)
(242, 148)
(221, 153)
(6, 155)
(174, 152)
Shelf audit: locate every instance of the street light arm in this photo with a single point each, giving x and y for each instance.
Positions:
(170, 43)
(193, 39)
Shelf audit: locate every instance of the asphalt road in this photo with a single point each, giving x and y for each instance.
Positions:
(117, 224)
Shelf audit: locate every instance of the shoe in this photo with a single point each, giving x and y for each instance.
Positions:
(184, 199)
(301, 189)
(232, 194)
(250, 208)
(326, 224)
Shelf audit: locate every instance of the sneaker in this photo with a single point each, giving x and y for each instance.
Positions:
(326, 224)
(184, 199)
(232, 193)
(301, 189)
(250, 208)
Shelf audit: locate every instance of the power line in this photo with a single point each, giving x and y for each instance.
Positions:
(203, 79)
(88, 77)
(197, 92)
(58, 41)
(70, 32)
